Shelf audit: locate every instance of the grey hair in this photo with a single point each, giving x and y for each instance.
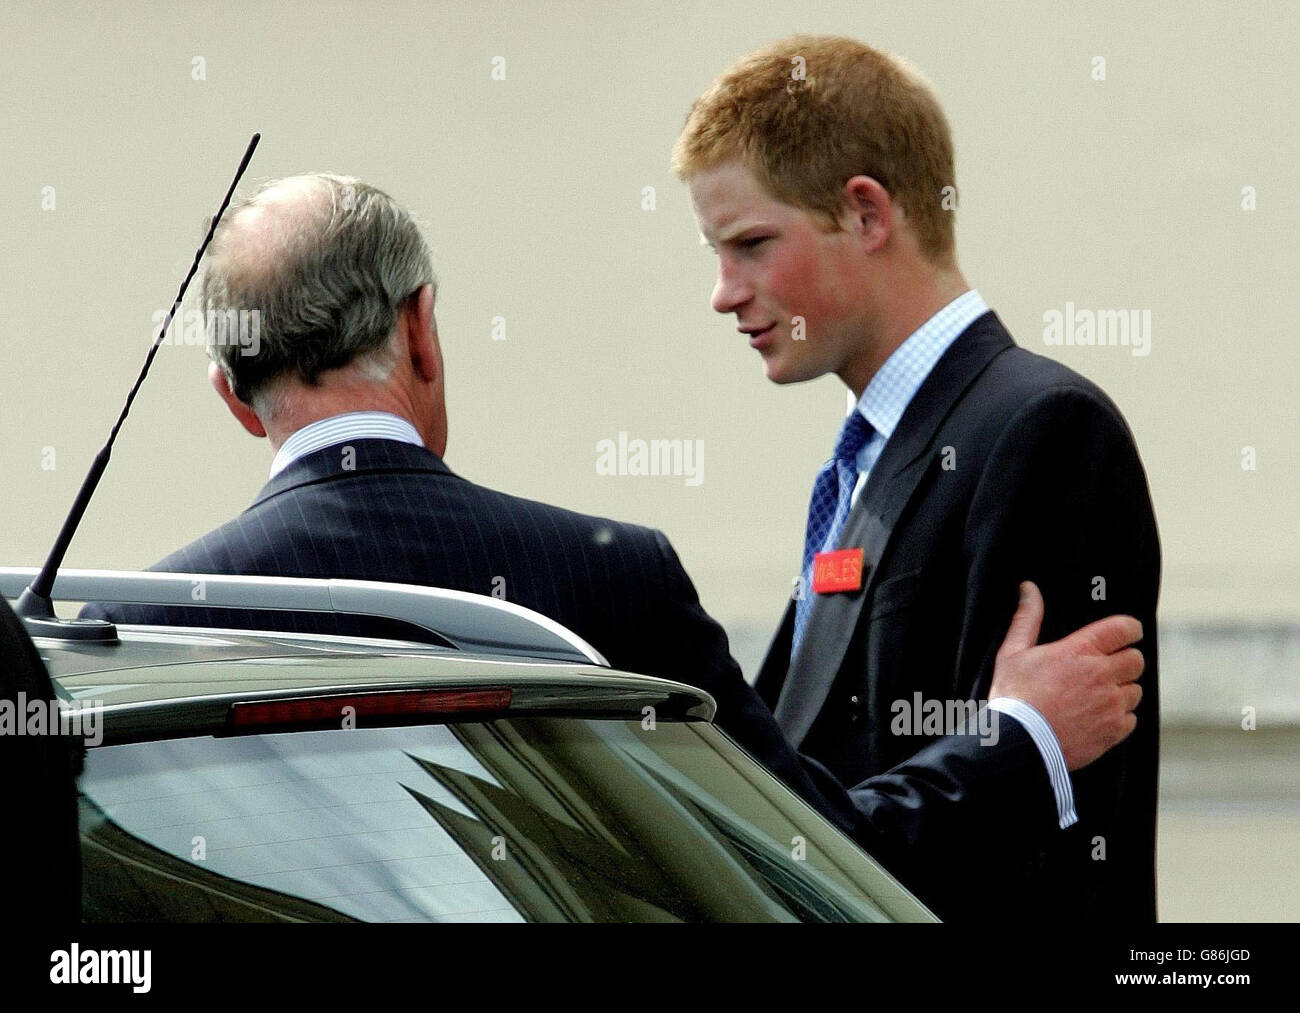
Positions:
(326, 279)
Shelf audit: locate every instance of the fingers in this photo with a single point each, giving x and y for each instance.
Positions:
(1129, 664)
(1106, 636)
(1132, 696)
(1026, 623)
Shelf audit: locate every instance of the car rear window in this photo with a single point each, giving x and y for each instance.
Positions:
(518, 819)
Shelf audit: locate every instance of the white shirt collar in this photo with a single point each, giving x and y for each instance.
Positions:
(340, 429)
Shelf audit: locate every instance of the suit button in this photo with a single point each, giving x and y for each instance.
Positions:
(855, 710)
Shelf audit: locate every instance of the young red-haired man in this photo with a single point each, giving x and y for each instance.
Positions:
(821, 172)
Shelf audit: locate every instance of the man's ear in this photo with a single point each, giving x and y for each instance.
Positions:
(246, 416)
(867, 212)
(422, 336)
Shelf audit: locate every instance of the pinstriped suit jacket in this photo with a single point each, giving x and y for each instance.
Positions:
(391, 511)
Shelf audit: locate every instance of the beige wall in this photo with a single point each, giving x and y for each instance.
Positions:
(1121, 194)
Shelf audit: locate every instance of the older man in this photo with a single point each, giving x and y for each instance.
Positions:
(346, 382)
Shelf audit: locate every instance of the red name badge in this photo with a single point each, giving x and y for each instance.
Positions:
(840, 570)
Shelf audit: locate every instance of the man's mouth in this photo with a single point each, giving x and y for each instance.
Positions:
(758, 338)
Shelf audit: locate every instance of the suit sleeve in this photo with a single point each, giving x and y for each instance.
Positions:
(916, 814)
(1063, 502)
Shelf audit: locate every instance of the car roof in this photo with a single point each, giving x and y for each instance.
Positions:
(152, 680)
(167, 681)
(471, 622)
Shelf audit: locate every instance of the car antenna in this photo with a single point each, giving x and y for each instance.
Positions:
(35, 605)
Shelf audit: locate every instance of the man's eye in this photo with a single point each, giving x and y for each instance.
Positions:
(751, 243)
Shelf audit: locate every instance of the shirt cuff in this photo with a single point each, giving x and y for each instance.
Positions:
(1049, 747)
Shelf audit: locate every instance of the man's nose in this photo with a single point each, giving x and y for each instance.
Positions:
(730, 293)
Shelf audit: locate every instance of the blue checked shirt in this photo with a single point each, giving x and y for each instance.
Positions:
(882, 404)
(896, 382)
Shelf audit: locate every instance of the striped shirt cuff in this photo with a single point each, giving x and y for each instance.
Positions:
(1049, 747)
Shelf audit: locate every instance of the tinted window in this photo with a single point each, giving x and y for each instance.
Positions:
(537, 819)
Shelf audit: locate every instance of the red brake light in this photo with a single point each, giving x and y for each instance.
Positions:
(393, 703)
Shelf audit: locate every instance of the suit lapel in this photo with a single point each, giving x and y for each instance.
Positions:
(368, 456)
(833, 618)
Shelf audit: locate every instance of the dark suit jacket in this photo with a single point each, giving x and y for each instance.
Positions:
(38, 793)
(1006, 466)
(400, 515)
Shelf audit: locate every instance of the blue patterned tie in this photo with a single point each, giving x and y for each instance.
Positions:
(831, 497)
